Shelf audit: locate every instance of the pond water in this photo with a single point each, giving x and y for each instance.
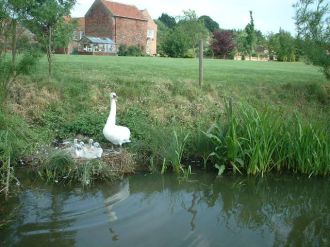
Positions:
(154, 210)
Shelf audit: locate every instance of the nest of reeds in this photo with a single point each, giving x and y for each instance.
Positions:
(121, 162)
(59, 165)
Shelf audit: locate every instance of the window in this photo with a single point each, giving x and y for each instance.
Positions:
(77, 35)
(150, 33)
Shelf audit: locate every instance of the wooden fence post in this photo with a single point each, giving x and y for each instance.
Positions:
(201, 67)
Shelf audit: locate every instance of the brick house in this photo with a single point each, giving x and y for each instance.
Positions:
(124, 24)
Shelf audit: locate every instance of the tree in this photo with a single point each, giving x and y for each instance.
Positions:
(46, 17)
(283, 45)
(313, 26)
(63, 33)
(168, 20)
(4, 24)
(239, 37)
(13, 12)
(176, 43)
(223, 44)
(209, 23)
(162, 33)
(193, 28)
(250, 36)
(183, 40)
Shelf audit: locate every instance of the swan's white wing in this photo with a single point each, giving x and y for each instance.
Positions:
(117, 134)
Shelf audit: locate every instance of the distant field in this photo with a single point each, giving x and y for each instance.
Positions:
(216, 71)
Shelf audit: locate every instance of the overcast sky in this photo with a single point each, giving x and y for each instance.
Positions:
(269, 15)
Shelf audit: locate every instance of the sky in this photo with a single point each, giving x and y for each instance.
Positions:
(269, 15)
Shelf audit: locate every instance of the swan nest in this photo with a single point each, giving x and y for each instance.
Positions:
(121, 162)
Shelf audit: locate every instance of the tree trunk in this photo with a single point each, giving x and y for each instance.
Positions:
(49, 51)
(13, 43)
(3, 45)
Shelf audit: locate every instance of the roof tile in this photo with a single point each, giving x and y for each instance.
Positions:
(124, 10)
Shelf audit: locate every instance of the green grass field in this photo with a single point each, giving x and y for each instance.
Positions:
(161, 102)
(166, 84)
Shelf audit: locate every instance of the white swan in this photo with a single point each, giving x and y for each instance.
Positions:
(116, 134)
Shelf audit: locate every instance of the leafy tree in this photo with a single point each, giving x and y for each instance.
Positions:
(313, 25)
(193, 28)
(250, 36)
(63, 33)
(4, 24)
(209, 23)
(168, 20)
(283, 45)
(185, 36)
(12, 12)
(46, 17)
(176, 43)
(261, 43)
(223, 43)
(162, 32)
(239, 37)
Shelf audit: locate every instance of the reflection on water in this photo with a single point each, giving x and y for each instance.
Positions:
(153, 210)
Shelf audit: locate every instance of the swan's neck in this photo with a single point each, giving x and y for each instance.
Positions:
(112, 115)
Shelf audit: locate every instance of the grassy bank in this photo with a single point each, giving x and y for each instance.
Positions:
(168, 114)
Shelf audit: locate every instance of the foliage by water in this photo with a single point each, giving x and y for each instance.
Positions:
(257, 142)
(14, 142)
(167, 113)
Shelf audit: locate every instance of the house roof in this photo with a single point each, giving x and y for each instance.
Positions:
(80, 22)
(124, 10)
(98, 40)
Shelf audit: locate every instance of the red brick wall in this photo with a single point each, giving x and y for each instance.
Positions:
(99, 22)
(131, 32)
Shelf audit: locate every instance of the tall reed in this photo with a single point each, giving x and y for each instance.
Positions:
(257, 142)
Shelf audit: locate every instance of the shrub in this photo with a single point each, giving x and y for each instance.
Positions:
(190, 53)
(86, 123)
(29, 61)
(133, 50)
(122, 50)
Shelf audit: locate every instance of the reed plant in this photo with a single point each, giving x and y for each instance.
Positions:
(58, 167)
(14, 143)
(308, 149)
(257, 142)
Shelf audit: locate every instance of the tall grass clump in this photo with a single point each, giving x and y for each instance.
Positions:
(14, 134)
(308, 148)
(15, 142)
(167, 150)
(256, 142)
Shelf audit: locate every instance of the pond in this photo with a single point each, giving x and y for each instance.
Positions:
(154, 210)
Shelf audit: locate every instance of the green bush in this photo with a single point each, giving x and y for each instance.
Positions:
(122, 50)
(28, 62)
(190, 53)
(86, 123)
(134, 50)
